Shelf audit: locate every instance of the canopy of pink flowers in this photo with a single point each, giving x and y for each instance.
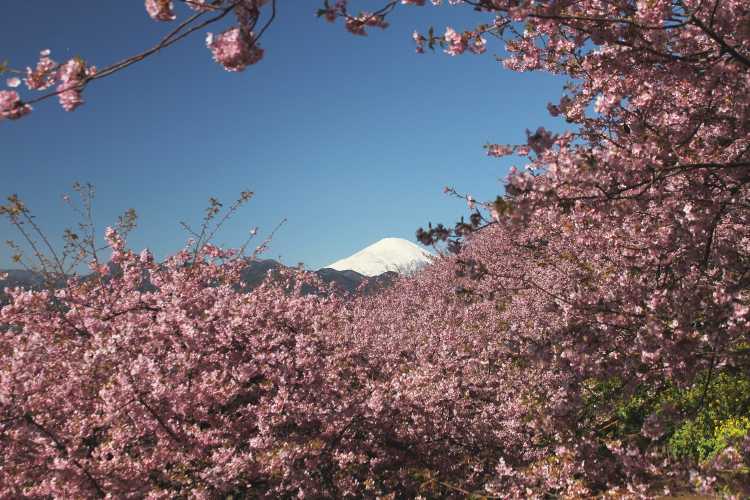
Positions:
(621, 251)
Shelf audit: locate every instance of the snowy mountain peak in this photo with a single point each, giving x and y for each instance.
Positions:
(388, 254)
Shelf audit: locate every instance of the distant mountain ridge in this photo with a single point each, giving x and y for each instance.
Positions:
(365, 272)
(253, 275)
(346, 281)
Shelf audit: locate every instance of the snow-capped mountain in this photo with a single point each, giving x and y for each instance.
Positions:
(388, 254)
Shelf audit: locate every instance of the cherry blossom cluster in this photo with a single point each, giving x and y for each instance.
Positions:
(161, 10)
(457, 43)
(11, 106)
(72, 77)
(356, 24)
(234, 49)
(498, 150)
(237, 47)
(43, 76)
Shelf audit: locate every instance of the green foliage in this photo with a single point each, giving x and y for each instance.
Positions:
(718, 414)
(615, 411)
(699, 421)
(703, 439)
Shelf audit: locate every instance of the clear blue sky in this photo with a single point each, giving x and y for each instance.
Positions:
(350, 138)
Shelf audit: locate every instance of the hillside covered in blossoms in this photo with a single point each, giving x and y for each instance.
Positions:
(583, 334)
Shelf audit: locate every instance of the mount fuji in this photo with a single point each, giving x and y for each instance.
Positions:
(381, 261)
(389, 254)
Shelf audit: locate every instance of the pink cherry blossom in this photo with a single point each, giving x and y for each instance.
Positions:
(73, 76)
(43, 76)
(161, 10)
(234, 49)
(356, 25)
(456, 43)
(498, 150)
(11, 106)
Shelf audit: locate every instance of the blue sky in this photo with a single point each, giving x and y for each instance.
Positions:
(351, 139)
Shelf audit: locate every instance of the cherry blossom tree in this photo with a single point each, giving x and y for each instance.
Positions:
(586, 333)
(649, 198)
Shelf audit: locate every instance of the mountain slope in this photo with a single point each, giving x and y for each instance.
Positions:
(253, 275)
(387, 255)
